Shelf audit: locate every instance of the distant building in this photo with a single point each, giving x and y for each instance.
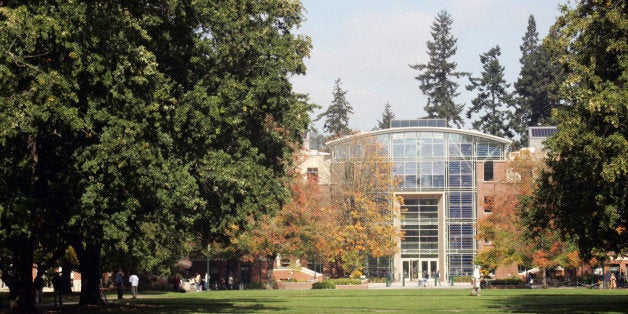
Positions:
(437, 171)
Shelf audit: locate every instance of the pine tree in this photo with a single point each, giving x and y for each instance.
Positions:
(535, 87)
(436, 77)
(337, 114)
(387, 116)
(493, 100)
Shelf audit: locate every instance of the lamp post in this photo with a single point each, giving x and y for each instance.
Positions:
(207, 273)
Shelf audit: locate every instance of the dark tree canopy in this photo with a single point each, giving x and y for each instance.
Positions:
(337, 114)
(536, 87)
(437, 77)
(585, 194)
(493, 101)
(124, 123)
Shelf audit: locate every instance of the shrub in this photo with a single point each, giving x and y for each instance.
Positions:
(325, 284)
(463, 279)
(513, 281)
(346, 281)
(254, 286)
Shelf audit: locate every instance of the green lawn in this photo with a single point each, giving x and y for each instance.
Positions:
(390, 300)
(385, 300)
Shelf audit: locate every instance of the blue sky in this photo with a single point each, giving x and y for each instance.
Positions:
(369, 45)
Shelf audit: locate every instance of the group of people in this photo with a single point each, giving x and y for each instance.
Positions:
(134, 280)
(57, 286)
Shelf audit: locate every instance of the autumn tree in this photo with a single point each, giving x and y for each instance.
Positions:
(300, 230)
(437, 76)
(336, 122)
(493, 102)
(362, 202)
(584, 191)
(506, 227)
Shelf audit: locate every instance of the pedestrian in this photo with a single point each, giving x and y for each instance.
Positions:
(57, 286)
(613, 281)
(177, 283)
(476, 282)
(197, 280)
(134, 281)
(437, 278)
(230, 282)
(120, 283)
(38, 286)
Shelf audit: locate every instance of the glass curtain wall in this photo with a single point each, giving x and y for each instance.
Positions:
(440, 163)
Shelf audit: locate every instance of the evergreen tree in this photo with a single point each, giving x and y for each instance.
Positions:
(436, 78)
(337, 114)
(584, 194)
(387, 116)
(493, 100)
(535, 87)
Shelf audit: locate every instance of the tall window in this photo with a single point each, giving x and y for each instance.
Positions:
(312, 174)
(488, 171)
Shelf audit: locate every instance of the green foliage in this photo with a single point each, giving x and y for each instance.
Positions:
(513, 281)
(585, 195)
(536, 87)
(493, 100)
(387, 116)
(346, 281)
(325, 284)
(337, 114)
(436, 76)
(134, 129)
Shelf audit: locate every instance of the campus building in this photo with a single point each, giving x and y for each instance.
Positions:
(436, 170)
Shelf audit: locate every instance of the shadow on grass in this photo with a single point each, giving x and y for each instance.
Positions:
(561, 303)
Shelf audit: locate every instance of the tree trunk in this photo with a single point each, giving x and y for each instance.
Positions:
(90, 274)
(21, 292)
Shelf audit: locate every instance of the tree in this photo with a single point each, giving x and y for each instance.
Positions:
(301, 229)
(493, 100)
(584, 192)
(436, 76)
(337, 114)
(536, 86)
(361, 204)
(507, 225)
(387, 116)
(124, 123)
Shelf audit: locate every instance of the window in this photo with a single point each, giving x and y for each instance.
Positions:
(489, 202)
(312, 174)
(488, 171)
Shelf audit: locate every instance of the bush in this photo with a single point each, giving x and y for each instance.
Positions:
(377, 279)
(514, 281)
(254, 286)
(463, 279)
(346, 281)
(325, 284)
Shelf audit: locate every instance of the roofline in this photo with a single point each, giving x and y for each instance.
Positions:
(421, 129)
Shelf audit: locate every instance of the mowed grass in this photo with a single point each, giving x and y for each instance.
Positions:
(358, 301)
(383, 300)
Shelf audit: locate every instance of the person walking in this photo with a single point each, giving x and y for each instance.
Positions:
(134, 281)
(38, 285)
(57, 286)
(613, 281)
(120, 283)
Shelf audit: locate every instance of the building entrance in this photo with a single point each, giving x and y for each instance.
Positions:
(415, 269)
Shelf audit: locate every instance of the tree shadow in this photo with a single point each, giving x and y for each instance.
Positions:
(561, 303)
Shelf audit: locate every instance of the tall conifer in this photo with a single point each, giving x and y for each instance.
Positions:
(493, 100)
(337, 114)
(387, 116)
(436, 77)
